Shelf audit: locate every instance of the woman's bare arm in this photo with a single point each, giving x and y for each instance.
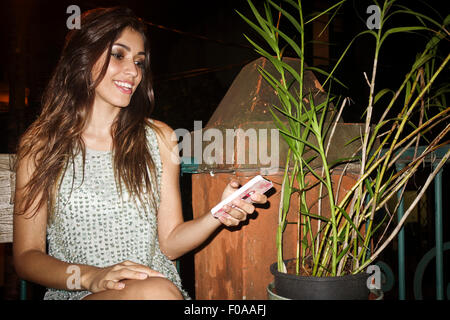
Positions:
(29, 240)
(32, 263)
(177, 237)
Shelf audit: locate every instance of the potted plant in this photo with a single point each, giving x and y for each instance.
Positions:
(347, 229)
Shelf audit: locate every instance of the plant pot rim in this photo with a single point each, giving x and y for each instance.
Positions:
(274, 271)
(270, 291)
(378, 293)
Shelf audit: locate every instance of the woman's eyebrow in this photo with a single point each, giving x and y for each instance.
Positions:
(127, 48)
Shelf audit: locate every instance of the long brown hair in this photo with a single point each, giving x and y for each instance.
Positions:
(54, 137)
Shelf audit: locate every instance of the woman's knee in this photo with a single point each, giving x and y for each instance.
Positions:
(154, 288)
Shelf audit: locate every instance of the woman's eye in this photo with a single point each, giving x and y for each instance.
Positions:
(121, 56)
(140, 64)
(118, 56)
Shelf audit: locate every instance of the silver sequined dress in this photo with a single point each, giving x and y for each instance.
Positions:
(92, 225)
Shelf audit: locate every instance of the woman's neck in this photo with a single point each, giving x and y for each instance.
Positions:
(97, 133)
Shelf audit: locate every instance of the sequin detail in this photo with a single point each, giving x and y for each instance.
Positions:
(92, 225)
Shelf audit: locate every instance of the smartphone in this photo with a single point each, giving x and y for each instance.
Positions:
(258, 184)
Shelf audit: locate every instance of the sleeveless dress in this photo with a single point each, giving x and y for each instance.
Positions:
(93, 225)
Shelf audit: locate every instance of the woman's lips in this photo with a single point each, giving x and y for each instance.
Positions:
(122, 88)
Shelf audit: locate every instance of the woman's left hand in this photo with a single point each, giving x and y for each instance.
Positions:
(239, 209)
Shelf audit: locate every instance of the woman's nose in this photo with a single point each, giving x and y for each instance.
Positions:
(131, 68)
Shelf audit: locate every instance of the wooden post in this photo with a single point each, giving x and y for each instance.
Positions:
(7, 186)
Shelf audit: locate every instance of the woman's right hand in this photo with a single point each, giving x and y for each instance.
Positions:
(100, 279)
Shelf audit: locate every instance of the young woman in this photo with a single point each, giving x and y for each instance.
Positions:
(95, 177)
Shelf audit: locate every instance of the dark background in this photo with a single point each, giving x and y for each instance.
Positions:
(196, 53)
(195, 56)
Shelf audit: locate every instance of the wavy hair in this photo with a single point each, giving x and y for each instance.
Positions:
(53, 139)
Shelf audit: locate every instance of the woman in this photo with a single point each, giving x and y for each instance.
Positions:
(95, 178)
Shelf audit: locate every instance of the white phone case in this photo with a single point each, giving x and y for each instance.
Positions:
(257, 184)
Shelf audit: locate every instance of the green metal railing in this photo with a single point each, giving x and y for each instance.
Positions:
(438, 251)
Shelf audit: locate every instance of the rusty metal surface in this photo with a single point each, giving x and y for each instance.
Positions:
(250, 96)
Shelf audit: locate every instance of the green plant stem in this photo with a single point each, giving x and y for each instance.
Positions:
(282, 212)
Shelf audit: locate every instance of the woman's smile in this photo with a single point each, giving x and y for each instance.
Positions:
(124, 87)
(124, 72)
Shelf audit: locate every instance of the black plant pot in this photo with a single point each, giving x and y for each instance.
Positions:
(348, 287)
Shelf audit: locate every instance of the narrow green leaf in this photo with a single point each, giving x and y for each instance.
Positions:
(343, 252)
(318, 70)
(352, 140)
(264, 53)
(287, 195)
(300, 140)
(275, 83)
(315, 216)
(347, 217)
(367, 182)
(288, 16)
(314, 173)
(343, 160)
(325, 11)
(284, 113)
(418, 15)
(400, 30)
(291, 42)
(266, 36)
(381, 93)
(262, 22)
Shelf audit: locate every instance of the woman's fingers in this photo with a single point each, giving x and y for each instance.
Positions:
(239, 209)
(113, 285)
(139, 268)
(127, 273)
(126, 270)
(237, 212)
(243, 206)
(229, 221)
(258, 198)
(138, 272)
(231, 187)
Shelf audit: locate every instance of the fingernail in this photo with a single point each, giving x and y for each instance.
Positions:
(143, 275)
(121, 285)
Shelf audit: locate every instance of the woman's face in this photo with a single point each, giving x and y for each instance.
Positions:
(124, 71)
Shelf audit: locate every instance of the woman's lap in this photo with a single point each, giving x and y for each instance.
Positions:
(153, 288)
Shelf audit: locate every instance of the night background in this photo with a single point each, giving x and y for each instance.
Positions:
(197, 49)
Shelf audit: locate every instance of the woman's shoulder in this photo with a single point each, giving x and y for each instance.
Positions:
(167, 141)
(158, 124)
(162, 129)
